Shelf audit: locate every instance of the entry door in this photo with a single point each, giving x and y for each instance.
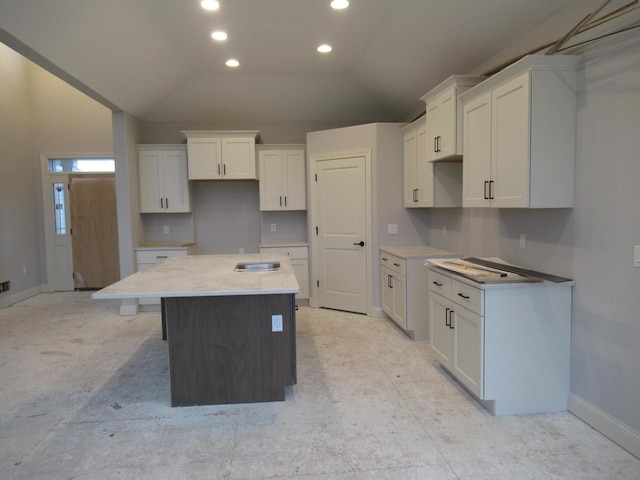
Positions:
(342, 226)
(59, 256)
(94, 230)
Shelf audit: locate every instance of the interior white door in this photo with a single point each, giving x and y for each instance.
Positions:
(341, 230)
(58, 236)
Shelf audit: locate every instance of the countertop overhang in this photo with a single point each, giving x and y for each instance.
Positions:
(204, 276)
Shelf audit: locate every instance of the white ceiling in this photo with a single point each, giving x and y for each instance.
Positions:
(155, 58)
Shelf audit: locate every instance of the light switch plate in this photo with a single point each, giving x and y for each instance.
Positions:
(636, 256)
(276, 323)
(392, 229)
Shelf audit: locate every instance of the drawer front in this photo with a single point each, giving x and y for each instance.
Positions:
(155, 256)
(469, 297)
(295, 253)
(440, 283)
(397, 264)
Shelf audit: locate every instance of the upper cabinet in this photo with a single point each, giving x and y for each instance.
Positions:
(428, 184)
(221, 155)
(444, 117)
(519, 135)
(164, 186)
(282, 177)
(418, 172)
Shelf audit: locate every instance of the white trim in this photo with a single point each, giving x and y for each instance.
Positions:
(620, 433)
(313, 243)
(129, 307)
(377, 312)
(18, 297)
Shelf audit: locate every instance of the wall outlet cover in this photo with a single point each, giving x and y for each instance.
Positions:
(636, 255)
(276, 323)
(392, 229)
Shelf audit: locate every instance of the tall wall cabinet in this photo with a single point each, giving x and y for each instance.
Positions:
(282, 177)
(163, 179)
(519, 135)
(221, 155)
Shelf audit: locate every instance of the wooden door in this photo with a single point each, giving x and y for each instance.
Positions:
(342, 231)
(94, 228)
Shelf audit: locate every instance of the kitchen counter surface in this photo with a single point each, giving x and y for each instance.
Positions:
(164, 245)
(202, 276)
(418, 251)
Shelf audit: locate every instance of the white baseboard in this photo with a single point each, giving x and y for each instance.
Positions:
(19, 296)
(623, 435)
(376, 312)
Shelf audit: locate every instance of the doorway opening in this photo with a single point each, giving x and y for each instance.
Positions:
(80, 222)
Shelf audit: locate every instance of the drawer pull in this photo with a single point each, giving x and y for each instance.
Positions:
(385, 259)
(397, 264)
(466, 297)
(162, 256)
(437, 284)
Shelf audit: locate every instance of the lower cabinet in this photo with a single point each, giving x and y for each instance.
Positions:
(508, 344)
(147, 256)
(299, 259)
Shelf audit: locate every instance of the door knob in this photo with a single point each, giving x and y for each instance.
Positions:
(361, 243)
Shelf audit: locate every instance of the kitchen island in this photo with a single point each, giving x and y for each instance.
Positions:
(231, 334)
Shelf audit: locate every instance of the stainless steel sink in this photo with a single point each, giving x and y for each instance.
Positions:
(257, 266)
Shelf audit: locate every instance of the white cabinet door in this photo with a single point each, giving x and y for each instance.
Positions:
(434, 127)
(301, 271)
(205, 158)
(410, 163)
(176, 183)
(294, 179)
(271, 188)
(510, 128)
(424, 170)
(150, 182)
(448, 131)
(476, 167)
(467, 359)
(387, 291)
(440, 332)
(238, 158)
(399, 287)
(418, 171)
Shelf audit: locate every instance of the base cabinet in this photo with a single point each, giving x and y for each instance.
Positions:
(508, 344)
(147, 256)
(299, 259)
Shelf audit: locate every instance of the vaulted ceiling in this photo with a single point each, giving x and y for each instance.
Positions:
(156, 60)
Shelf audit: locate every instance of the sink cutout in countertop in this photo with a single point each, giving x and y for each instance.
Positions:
(257, 267)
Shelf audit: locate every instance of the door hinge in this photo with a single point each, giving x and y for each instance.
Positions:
(317, 283)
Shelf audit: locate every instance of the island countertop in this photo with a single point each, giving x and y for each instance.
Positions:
(202, 276)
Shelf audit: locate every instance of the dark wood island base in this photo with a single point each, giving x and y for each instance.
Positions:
(222, 349)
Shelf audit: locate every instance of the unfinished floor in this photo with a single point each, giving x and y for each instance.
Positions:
(84, 394)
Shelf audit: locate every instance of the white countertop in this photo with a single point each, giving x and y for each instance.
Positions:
(164, 245)
(418, 251)
(204, 276)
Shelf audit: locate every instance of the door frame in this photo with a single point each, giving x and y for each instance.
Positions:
(313, 220)
(47, 208)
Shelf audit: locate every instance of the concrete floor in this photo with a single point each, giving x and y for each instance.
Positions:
(84, 394)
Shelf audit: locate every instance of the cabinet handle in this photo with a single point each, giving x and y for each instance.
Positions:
(396, 264)
(162, 256)
(490, 189)
(486, 184)
(218, 169)
(166, 203)
(446, 317)
(415, 195)
(161, 204)
(466, 297)
(224, 169)
(385, 259)
(438, 143)
(285, 200)
(389, 281)
(451, 312)
(435, 144)
(280, 200)
(437, 284)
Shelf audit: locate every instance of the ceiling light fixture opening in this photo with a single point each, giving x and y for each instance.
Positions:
(232, 62)
(219, 35)
(210, 4)
(324, 48)
(339, 4)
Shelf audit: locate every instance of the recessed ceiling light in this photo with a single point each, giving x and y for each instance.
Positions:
(210, 4)
(232, 62)
(324, 48)
(339, 4)
(219, 35)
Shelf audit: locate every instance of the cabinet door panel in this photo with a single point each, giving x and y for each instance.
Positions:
(410, 152)
(271, 188)
(476, 167)
(447, 140)
(510, 118)
(387, 291)
(400, 300)
(434, 130)
(204, 158)
(294, 174)
(301, 270)
(151, 190)
(176, 185)
(424, 170)
(440, 332)
(467, 361)
(238, 158)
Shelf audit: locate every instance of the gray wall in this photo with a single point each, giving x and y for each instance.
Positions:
(39, 114)
(593, 242)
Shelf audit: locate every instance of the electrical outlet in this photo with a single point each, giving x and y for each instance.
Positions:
(392, 229)
(166, 229)
(273, 227)
(523, 240)
(276, 323)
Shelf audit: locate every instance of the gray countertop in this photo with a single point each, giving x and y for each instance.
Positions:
(204, 275)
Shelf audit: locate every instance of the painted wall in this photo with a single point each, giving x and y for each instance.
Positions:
(593, 242)
(39, 114)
